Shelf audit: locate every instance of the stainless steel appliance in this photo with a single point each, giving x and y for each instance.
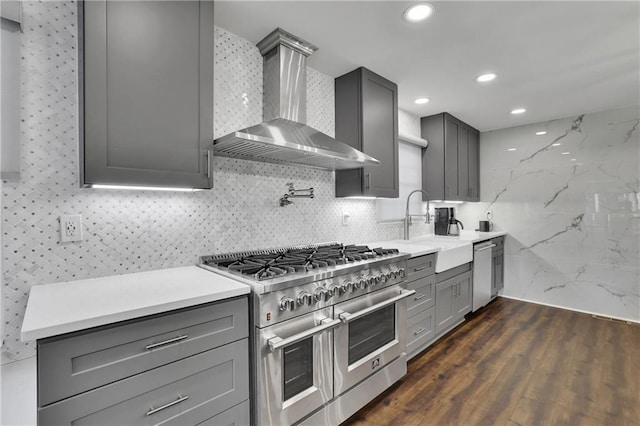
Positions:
(481, 274)
(445, 222)
(328, 328)
(284, 137)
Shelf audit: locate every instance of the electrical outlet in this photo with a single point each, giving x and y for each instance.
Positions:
(70, 228)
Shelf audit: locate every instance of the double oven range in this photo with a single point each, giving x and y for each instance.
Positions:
(328, 328)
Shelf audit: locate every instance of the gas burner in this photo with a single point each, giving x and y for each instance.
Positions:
(273, 263)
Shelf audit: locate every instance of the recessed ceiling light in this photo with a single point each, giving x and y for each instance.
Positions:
(541, 133)
(566, 153)
(573, 159)
(485, 77)
(421, 101)
(418, 12)
(556, 144)
(518, 111)
(511, 149)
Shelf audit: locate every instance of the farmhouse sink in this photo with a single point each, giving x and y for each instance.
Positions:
(449, 253)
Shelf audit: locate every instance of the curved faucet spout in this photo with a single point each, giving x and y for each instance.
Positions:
(407, 215)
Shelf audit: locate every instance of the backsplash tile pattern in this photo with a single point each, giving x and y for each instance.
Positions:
(573, 219)
(131, 231)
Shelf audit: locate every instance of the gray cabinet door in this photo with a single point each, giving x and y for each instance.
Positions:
(445, 305)
(451, 182)
(450, 164)
(474, 165)
(420, 331)
(146, 92)
(184, 392)
(463, 294)
(367, 119)
(380, 134)
(497, 272)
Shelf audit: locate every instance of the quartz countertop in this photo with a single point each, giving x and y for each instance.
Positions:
(64, 307)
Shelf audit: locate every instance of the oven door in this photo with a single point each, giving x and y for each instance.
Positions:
(372, 334)
(294, 367)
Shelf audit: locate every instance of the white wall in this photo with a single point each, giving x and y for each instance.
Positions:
(573, 220)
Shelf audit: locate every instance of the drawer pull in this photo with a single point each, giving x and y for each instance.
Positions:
(165, 406)
(419, 268)
(420, 296)
(419, 331)
(166, 342)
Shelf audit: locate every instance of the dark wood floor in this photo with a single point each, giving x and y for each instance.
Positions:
(517, 363)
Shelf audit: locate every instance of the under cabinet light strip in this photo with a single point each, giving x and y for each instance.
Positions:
(145, 188)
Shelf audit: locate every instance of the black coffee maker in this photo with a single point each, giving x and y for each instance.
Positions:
(445, 222)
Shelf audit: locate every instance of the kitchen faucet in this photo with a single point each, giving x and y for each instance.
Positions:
(407, 216)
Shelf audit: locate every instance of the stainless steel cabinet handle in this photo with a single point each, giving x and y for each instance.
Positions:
(419, 268)
(419, 331)
(171, 404)
(166, 342)
(420, 296)
(368, 181)
(347, 317)
(486, 248)
(277, 342)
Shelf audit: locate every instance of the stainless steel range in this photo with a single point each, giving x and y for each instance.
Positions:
(328, 328)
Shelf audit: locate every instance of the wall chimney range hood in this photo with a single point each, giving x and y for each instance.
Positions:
(283, 137)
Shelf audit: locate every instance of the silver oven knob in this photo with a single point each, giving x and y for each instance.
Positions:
(287, 303)
(371, 281)
(402, 272)
(338, 290)
(362, 284)
(305, 298)
(388, 275)
(322, 294)
(349, 287)
(380, 278)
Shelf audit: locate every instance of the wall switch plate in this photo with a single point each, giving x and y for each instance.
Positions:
(345, 218)
(70, 228)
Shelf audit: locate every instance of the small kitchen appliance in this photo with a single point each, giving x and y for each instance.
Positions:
(445, 222)
(454, 227)
(328, 331)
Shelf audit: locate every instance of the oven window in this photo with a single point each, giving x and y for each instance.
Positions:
(371, 332)
(297, 367)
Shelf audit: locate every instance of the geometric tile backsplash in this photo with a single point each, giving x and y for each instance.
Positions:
(131, 231)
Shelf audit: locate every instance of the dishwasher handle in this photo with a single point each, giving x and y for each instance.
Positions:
(484, 248)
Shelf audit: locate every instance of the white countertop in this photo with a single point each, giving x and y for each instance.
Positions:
(64, 307)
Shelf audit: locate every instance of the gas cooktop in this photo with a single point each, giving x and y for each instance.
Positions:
(267, 264)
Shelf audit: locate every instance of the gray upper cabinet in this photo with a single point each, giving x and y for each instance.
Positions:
(451, 162)
(146, 92)
(367, 119)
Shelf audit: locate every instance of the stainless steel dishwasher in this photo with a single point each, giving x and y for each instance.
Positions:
(481, 274)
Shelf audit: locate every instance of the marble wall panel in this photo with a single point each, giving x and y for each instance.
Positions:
(573, 219)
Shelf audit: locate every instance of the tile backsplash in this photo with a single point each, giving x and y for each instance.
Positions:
(131, 231)
(570, 201)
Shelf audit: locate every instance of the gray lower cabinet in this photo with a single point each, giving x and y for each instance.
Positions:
(146, 92)
(421, 306)
(185, 368)
(497, 266)
(453, 297)
(367, 120)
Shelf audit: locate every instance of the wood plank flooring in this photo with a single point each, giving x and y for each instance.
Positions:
(517, 363)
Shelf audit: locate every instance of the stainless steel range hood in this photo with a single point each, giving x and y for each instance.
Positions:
(283, 137)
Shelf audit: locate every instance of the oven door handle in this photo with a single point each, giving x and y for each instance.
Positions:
(277, 342)
(346, 317)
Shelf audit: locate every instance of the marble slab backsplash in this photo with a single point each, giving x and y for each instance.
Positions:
(570, 202)
(132, 231)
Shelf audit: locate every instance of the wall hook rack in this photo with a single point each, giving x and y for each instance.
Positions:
(295, 193)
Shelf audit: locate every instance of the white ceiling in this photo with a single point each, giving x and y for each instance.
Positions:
(556, 59)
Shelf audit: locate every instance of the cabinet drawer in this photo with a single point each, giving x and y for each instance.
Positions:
(424, 296)
(421, 266)
(75, 363)
(234, 416)
(181, 393)
(420, 330)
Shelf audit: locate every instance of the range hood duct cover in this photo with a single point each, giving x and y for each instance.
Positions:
(283, 137)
